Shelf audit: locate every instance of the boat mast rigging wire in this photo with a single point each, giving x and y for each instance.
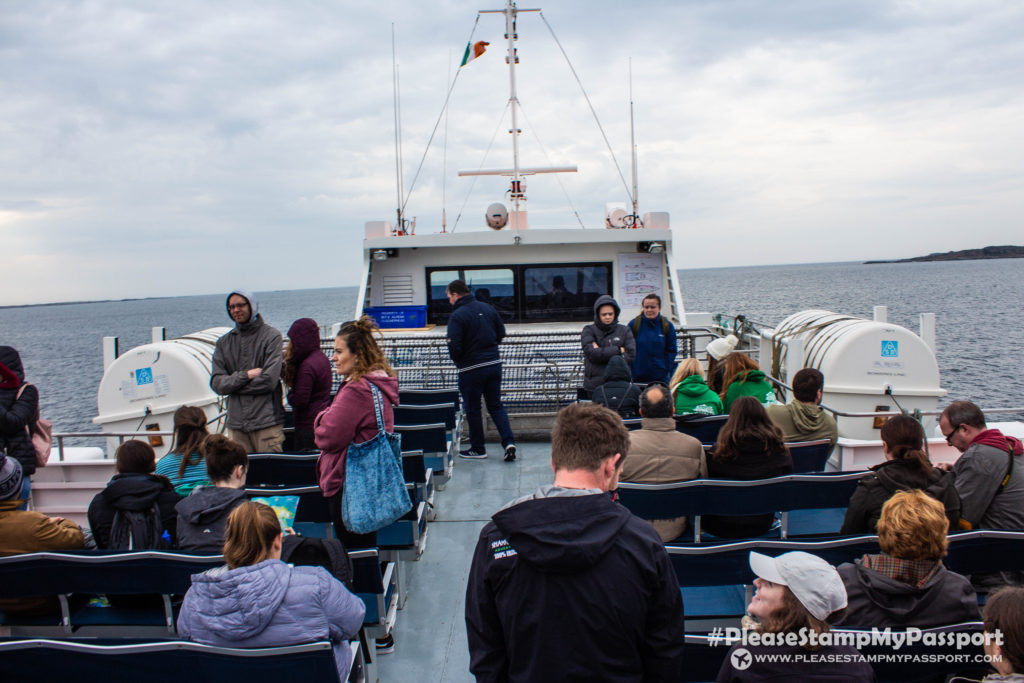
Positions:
(589, 104)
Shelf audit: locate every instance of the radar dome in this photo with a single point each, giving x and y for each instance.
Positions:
(497, 216)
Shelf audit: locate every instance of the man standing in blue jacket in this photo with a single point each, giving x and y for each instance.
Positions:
(474, 332)
(655, 343)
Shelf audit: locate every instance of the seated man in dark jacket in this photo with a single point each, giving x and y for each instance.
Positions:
(203, 515)
(618, 391)
(907, 585)
(566, 584)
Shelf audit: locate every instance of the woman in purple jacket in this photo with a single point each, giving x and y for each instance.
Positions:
(307, 374)
(257, 600)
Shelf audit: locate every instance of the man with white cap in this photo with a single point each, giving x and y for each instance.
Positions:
(796, 593)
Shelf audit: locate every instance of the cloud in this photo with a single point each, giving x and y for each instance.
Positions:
(170, 150)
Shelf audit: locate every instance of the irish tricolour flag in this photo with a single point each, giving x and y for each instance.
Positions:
(473, 50)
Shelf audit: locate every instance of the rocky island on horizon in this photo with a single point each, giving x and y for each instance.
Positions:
(1006, 251)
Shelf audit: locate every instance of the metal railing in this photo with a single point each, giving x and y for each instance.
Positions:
(541, 371)
(120, 436)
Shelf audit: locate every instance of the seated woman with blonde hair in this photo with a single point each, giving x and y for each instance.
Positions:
(257, 600)
(907, 585)
(691, 393)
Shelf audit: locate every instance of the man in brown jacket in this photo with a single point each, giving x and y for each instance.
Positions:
(658, 454)
(25, 531)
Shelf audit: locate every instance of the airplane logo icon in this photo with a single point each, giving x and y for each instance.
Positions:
(741, 659)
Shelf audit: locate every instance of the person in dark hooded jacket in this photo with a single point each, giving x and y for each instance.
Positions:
(906, 467)
(203, 515)
(307, 374)
(134, 487)
(567, 584)
(602, 340)
(618, 391)
(17, 414)
(907, 584)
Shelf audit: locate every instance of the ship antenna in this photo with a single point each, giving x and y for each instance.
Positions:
(400, 191)
(632, 143)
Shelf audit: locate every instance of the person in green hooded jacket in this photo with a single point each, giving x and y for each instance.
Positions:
(691, 393)
(743, 377)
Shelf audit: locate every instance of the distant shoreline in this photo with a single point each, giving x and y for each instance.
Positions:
(1007, 251)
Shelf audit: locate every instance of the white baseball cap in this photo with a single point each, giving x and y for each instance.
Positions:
(814, 582)
(722, 347)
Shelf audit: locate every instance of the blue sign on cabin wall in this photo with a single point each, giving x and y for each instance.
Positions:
(144, 376)
(890, 348)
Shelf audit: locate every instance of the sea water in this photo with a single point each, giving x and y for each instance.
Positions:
(979, 307)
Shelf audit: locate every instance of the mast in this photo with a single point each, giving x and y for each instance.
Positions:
(513, 101)
(632, 146)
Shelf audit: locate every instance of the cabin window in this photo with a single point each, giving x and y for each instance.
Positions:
(520, 293)
(495, 286)
(564, 292)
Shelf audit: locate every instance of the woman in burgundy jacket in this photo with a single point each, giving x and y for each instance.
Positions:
(351, 417)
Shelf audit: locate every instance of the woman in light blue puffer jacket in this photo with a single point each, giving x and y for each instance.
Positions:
(257, 600)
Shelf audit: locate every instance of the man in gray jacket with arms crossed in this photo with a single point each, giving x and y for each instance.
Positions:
(247, 369)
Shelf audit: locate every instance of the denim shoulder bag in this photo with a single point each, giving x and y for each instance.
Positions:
(374, 494)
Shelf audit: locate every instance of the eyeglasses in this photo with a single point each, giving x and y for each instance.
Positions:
(952, 432)
(237, 307)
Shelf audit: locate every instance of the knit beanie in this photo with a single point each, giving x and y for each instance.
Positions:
(722, 347)
(10, 478)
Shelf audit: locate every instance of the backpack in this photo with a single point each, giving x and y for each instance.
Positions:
(136, 530)
(634, 325)
(329, 553)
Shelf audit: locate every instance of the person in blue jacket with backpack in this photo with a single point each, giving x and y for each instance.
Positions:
(656, 345)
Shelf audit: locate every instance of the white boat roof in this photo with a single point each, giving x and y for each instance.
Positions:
(497, 238)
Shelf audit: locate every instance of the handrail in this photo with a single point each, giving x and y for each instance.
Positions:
(60, 436)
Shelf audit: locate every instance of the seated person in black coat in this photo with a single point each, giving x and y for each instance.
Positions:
(749, 446)
(906, 467)
(618, 391)
(134, 488)
(907, 585)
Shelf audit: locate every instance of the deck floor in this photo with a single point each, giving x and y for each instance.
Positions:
(430, 632)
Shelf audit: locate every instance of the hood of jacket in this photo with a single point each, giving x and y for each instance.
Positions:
(463, 300)
(563, 534)
(10, 361)
(253, 303)
(388, 385)
(304, 335)
(605, 300)
(617, 370)
(902, 475)
(239, 603)
(807, 417)
(693, 386)
(207, 503)
(899, 600)
(135, 491)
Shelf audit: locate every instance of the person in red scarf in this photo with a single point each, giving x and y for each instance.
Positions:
(989, 476)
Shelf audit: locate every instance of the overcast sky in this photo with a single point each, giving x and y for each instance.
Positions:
(163, 149)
